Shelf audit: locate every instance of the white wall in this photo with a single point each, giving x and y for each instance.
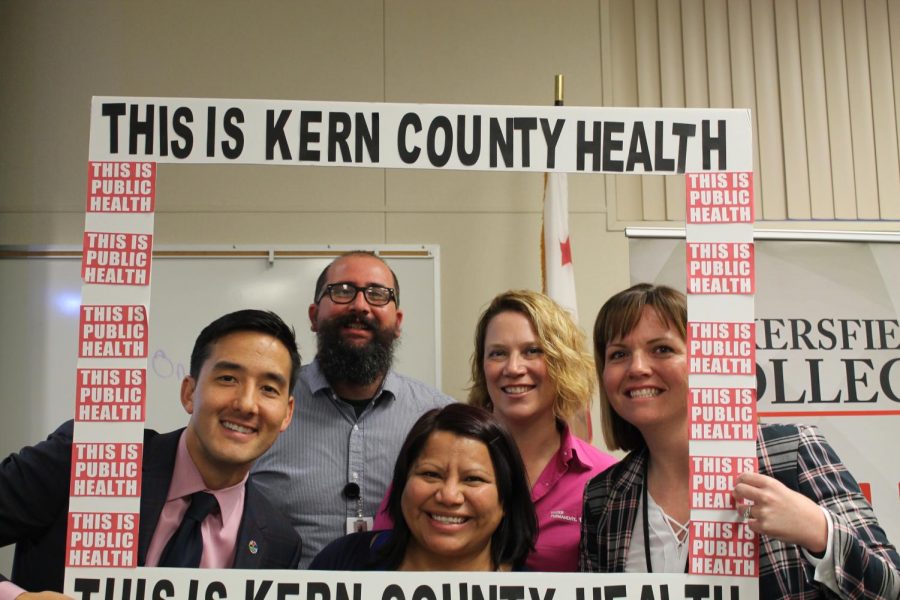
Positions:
(56, 55)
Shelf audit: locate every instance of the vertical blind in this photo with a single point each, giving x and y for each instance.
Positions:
(821, 80)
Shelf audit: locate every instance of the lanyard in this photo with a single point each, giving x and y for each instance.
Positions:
(645, 514)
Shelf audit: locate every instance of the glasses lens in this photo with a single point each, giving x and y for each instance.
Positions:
(378, 296)
(342, 293)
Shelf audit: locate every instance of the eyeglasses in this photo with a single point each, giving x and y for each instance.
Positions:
(345, 293)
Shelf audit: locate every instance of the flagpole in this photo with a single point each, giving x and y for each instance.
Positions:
(580, 423)
(558, 94)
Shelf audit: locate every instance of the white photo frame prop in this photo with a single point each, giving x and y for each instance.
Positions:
(133, 138)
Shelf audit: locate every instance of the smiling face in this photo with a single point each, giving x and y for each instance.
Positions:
(238, 404)
(451, 505)
(645, 376)
(358, 319)
(515, 371)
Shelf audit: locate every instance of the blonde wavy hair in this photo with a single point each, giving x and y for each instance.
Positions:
(569, 364)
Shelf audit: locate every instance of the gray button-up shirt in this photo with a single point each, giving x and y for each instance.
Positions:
(326, 447)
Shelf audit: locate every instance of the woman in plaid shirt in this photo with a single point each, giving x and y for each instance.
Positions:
(818, 535)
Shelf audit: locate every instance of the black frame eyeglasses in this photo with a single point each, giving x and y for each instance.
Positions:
(375, 295)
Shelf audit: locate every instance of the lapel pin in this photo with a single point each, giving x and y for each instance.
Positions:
(253, 547)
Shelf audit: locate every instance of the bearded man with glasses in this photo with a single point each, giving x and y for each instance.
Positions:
(329, 471)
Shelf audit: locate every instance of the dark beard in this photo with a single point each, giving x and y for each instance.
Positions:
(355, 365)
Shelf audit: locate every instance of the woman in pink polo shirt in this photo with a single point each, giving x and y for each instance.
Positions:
(531, 369)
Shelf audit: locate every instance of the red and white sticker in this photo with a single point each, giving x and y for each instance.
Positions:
(713, 478)
(113, 331)
(719, 414)
(106, 469)
(116, 258)
(719, 548)
(102, 539)
(111, 395)
(121, 187)
(717, 348)
(720, 268)
(719, 197)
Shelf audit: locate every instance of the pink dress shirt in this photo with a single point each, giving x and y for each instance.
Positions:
(219, 530)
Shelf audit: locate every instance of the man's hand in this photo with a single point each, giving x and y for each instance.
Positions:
(42, 596)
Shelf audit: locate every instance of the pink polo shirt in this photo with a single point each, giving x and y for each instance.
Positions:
(557, 498)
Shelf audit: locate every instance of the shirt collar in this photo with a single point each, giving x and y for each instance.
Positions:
(186, 479)
(569, 451)
(313, 376)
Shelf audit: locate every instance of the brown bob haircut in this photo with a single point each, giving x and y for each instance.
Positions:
(616, 319)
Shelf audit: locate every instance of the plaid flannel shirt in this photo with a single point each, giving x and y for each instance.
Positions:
(866, 565)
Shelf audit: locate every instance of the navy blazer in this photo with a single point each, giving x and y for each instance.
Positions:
(866, 564)
(34, 506)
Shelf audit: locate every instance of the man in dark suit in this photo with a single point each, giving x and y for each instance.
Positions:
(238, 395)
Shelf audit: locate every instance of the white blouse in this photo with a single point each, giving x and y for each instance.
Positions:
(668, 542)
(669, 546)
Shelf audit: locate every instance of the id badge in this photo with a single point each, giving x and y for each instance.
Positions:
(359, 524)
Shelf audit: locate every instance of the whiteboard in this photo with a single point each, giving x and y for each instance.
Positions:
(190, 287)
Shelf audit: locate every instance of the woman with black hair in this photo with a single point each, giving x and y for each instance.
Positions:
(459, 501)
